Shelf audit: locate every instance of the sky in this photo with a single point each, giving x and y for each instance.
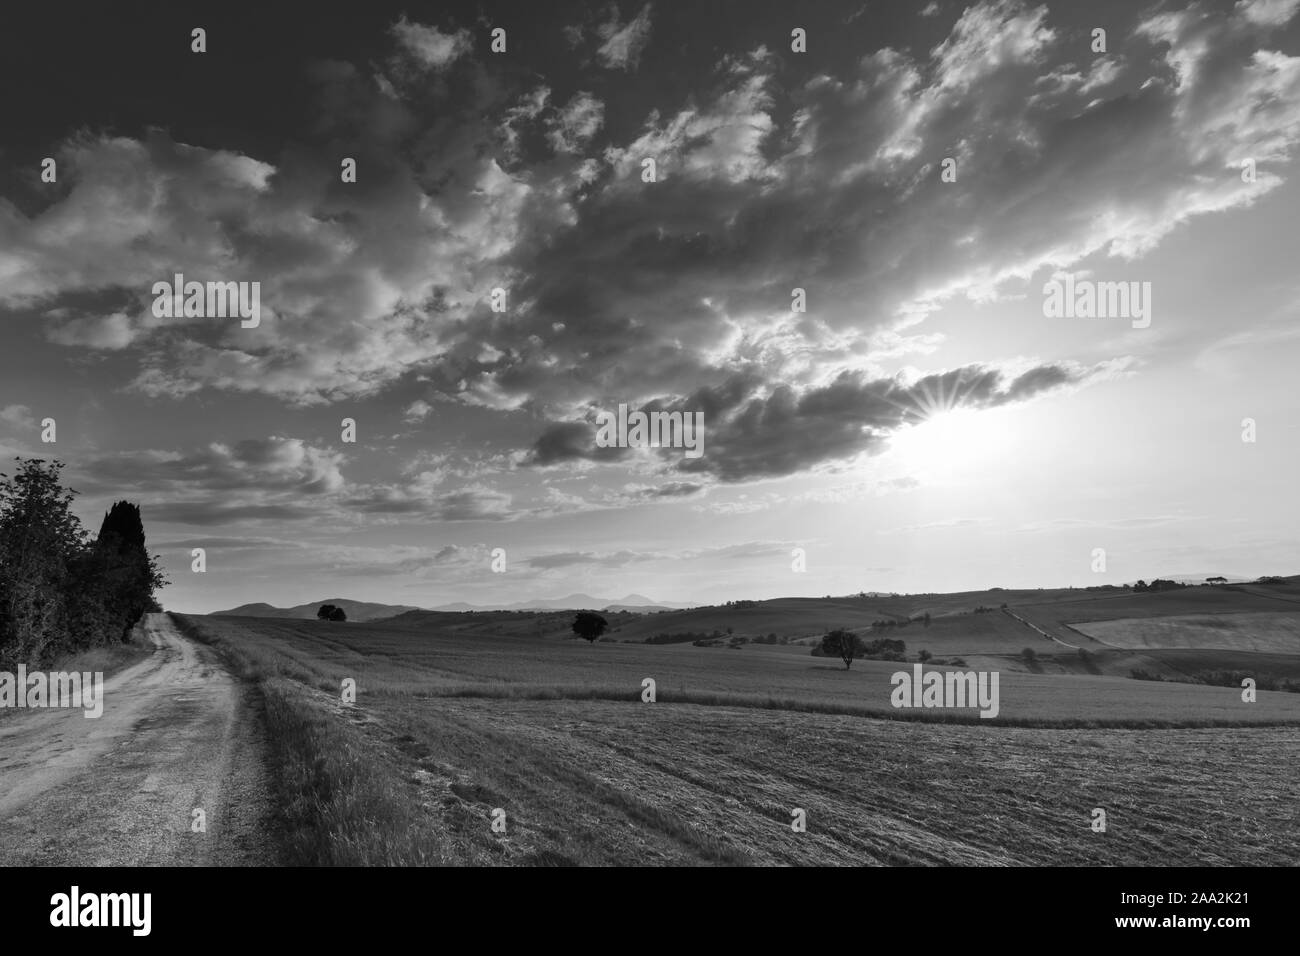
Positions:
(922, 172)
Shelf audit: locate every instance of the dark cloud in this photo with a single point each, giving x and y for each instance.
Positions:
(569, 441)
(465, 504)
(783, 432)
(620, 289)
(672, 489)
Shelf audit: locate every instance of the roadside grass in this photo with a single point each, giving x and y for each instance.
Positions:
(108, 659)
(343, 800)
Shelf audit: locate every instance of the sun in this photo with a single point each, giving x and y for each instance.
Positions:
(952, 440)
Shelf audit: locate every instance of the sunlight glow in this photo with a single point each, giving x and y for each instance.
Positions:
(958, 440)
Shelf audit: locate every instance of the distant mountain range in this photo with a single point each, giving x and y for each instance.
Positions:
(355, 610)
(630, 602)
(369, 611)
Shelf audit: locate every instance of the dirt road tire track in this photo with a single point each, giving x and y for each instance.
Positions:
(178, 733)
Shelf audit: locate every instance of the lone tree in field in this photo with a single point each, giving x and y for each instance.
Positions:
(844, 643)
(589, 625)
(328, 612)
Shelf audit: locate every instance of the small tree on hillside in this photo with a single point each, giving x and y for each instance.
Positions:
(325, 611)
(338, 615)
(844, 643)
(589, 625)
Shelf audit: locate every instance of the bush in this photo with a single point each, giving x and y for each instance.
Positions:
(683, 637)
(884, 649)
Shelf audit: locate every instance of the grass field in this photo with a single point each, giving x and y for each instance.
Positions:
(1265, 631)
(450, 725)
(391, 661)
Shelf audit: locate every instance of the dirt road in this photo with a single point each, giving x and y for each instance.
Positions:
(177, 734)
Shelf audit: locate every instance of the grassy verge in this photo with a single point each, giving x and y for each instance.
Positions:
(343, 802)
(107, 659)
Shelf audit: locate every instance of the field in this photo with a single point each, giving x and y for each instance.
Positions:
(452, 723)
(1249, 631)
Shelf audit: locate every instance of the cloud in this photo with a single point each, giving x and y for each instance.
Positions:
(136, 212)
(108, 332)
(621, 290)
(418, 498)
(569, 441)
(566, 559)
(277, 477)
(417, 411)
(263, 465)
(214, 543)
(986, 39)
(430, 47)
(357, 286)
(623, 43)
(211, 513)
(670, 489)
(1272, 13)
(20, 416)
(575, 123)
(752, 432)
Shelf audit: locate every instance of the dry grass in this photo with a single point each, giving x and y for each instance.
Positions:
(596, 783)
(107, 659)
(449, 727)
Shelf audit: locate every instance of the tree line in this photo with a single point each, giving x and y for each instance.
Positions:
(61, 589)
